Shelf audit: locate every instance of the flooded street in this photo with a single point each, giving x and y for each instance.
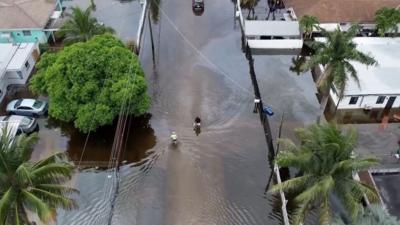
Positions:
(216, 177)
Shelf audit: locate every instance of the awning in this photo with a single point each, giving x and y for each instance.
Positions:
(275, 47)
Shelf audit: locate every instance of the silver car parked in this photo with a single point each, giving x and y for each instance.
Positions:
(27, 107)
(26, 124)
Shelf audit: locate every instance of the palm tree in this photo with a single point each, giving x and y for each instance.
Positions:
(307, 24)
(336, 55)
(82, 26)
(386, 20)
(31, 186)
(373, 215)
(326, 163)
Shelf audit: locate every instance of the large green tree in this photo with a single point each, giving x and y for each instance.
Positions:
(89, 82)
(81, 26)
(31, 186)
(336, 55)
(386, 20)
(326, 165)
(373, 215)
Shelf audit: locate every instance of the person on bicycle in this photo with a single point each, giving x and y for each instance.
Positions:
(174, 137)
(197, 121)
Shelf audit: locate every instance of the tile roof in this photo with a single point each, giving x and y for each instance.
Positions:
(328, 11)
(15, 14)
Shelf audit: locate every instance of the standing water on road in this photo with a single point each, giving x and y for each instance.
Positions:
(217, 177)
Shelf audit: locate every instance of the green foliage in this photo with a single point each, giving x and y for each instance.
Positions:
(89, 82)
(386, 20)
(336, 55)
(249, 4)
(34, 186)
(325, 161)
(154, 10)
(307, 24)
(81, 26)
(374, 215)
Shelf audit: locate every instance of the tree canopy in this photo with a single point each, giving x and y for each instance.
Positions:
(89, 82)
(326, 164)
(386, 20)
(308, 23)
(34, 186)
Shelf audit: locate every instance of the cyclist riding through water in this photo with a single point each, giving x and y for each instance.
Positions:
(174, 137)
(197, 122)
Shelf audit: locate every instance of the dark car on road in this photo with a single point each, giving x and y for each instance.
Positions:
(198, 6)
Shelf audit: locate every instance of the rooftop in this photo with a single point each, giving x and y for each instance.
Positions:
(25, 14)
(13, 57)
(327, 11)
(388, 190)
(382, 79)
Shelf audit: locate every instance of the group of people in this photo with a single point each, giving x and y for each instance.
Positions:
(196, 127)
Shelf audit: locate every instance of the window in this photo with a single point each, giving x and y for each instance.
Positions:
(353, 100)
(27, 65)
(18, 103)
(37, 104)
(380, 99)
(26, 32)
(24, 108)
(19, 73)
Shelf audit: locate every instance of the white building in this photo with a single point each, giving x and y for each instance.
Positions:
(266, 37)
(379, 85)
(16, 64)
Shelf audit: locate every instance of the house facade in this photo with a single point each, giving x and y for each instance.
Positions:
(16, 64)
(378, 86)
(28, 21)
(377, 93)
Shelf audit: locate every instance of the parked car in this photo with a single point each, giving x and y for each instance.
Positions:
(198, 6)
(26, 124)
(27, 107)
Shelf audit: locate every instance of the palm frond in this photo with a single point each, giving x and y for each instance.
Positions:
(292, 184)
(6, 202)
(34, 203)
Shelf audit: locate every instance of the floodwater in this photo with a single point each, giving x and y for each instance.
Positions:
(121, 15)
(216, 177)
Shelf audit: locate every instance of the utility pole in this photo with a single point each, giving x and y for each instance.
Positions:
(263, 116)
(151, 38)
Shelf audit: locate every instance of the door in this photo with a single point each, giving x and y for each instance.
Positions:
(390, 102)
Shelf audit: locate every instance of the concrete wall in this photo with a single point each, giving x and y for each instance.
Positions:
(17, 36)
